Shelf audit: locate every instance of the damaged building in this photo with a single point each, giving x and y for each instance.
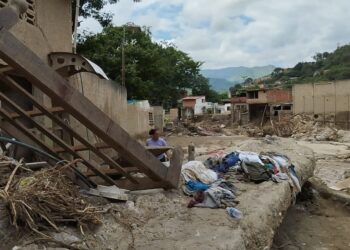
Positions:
(259, 103)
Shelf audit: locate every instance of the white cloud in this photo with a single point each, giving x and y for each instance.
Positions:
(241, 32)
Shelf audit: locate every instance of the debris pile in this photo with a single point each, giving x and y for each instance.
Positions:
(44, 199)
(211, 183)
(213, 125)
(306, 128)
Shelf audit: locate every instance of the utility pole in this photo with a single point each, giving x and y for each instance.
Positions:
(75, 34)
(134, 28)
(123, 58)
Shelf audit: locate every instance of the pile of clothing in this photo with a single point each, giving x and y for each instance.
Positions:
(203, 180)
(207, 189)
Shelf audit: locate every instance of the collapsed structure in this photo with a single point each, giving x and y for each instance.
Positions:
(43, 101)
(259, 103)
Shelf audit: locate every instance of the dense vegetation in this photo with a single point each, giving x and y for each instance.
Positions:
(158, 72)
(327, 66)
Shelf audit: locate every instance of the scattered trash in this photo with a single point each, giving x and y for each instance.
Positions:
(234, 213)
(195, 170)
(110, 192)
(207, 184)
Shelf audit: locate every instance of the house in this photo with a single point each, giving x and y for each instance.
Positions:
(195, 105)
(258, 102)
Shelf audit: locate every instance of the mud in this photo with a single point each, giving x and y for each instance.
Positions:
(317, 222)
(163, 221)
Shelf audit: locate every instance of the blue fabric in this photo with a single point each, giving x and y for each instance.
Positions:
(197, 186)
(228, 161)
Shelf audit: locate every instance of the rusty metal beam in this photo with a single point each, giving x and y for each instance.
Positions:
(56, 139)
(65, 126)
(43, 77)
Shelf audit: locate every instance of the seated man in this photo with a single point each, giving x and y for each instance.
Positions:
(156, 141)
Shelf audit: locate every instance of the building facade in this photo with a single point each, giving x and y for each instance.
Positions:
(260, 103)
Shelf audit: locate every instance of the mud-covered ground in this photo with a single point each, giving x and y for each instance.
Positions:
(316, 223)
(161, 220)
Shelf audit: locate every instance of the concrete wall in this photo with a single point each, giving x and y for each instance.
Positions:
(137, 120)
(108, 96)
(327, 101)
(262, 98)
(158, 116)
(52, 31)
(173, 114)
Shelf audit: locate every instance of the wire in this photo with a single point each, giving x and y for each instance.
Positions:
(39, 151)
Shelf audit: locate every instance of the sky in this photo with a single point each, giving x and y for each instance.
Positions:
(231, 33)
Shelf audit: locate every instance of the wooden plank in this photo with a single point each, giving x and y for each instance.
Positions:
(18, 134)
(61, 123)
(18, 130)
(175, 167)
(35, 113)
(51, 83)
(158, 150)
(82, 147)
(57, 140)
(153, 150)
(112, 172)
(144, 183)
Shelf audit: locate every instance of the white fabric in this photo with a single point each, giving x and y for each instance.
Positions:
(250, 158)
(283, 162)
(196, 171)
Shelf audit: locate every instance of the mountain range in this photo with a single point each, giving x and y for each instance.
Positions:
(224, 78)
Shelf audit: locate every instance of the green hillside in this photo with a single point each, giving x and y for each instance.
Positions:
(224, 78)
(326, 67)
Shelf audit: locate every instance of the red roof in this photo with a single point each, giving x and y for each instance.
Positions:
(192, 97)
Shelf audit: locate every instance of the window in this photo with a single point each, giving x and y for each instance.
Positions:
(253, 94)
(29, 16)
(287, 107)
(151, 118)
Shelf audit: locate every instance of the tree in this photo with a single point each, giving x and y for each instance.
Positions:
(92, 8)
(158, 72)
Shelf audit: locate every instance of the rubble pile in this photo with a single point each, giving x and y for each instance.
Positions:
(306, 128)
(44, 199)
(214, 125)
